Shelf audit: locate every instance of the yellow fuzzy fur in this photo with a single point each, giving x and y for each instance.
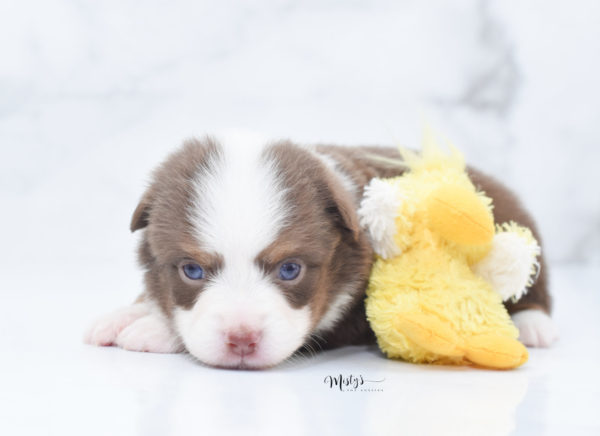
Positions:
(426, 305)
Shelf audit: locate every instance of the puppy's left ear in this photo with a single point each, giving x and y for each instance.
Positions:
(341, 206)
(141, 215)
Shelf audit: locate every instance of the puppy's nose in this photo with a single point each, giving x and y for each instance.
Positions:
(243, 342)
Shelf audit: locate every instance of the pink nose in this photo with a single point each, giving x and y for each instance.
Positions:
(243, 342)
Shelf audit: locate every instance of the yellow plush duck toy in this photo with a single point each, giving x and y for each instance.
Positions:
(443, 268)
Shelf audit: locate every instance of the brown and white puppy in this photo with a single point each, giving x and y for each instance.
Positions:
(252, 253)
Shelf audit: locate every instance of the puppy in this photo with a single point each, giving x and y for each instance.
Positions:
(252, 254)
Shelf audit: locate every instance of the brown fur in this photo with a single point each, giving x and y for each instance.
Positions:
(324, 227)
(508, 207)
(162, 211)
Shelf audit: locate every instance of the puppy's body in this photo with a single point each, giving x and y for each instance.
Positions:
(246, 217)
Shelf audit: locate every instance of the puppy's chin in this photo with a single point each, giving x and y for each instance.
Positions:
(228, 360)
(252, 362)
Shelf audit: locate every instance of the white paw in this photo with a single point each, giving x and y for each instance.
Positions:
(149, 333)
(104, 331)
(536, 329)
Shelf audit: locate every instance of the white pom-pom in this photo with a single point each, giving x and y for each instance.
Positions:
(510, 264)
(377, 212)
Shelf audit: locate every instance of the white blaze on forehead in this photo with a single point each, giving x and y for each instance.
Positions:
(239, 202)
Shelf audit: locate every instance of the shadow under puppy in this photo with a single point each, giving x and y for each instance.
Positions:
(253, 251)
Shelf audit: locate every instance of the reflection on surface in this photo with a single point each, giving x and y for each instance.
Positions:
(439, 401)
(413, 399)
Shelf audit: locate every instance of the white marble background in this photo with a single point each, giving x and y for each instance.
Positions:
(94, 94)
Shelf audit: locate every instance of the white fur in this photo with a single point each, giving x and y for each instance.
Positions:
(536, 329)
(377, 213)
(239, 203)
(139, 327)
(240, 208)
(235, 302)
(344, 178)
(334, 313)
(508, 265)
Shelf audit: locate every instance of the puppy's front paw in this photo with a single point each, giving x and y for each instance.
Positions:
(149, 333)
(536, 329)
(104, 331)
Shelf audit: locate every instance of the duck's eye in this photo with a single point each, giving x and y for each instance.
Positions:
(289, 271)
(193, 271)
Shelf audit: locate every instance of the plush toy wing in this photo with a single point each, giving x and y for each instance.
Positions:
(457, 214)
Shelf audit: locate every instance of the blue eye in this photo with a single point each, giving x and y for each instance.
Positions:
(193, 271)
(289, 271)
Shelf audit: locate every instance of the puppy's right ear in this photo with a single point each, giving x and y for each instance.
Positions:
(141, 215)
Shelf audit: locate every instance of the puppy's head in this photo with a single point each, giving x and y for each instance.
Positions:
(250, 252)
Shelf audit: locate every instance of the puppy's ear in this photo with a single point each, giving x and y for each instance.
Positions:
(141, 215)
(341, 206)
